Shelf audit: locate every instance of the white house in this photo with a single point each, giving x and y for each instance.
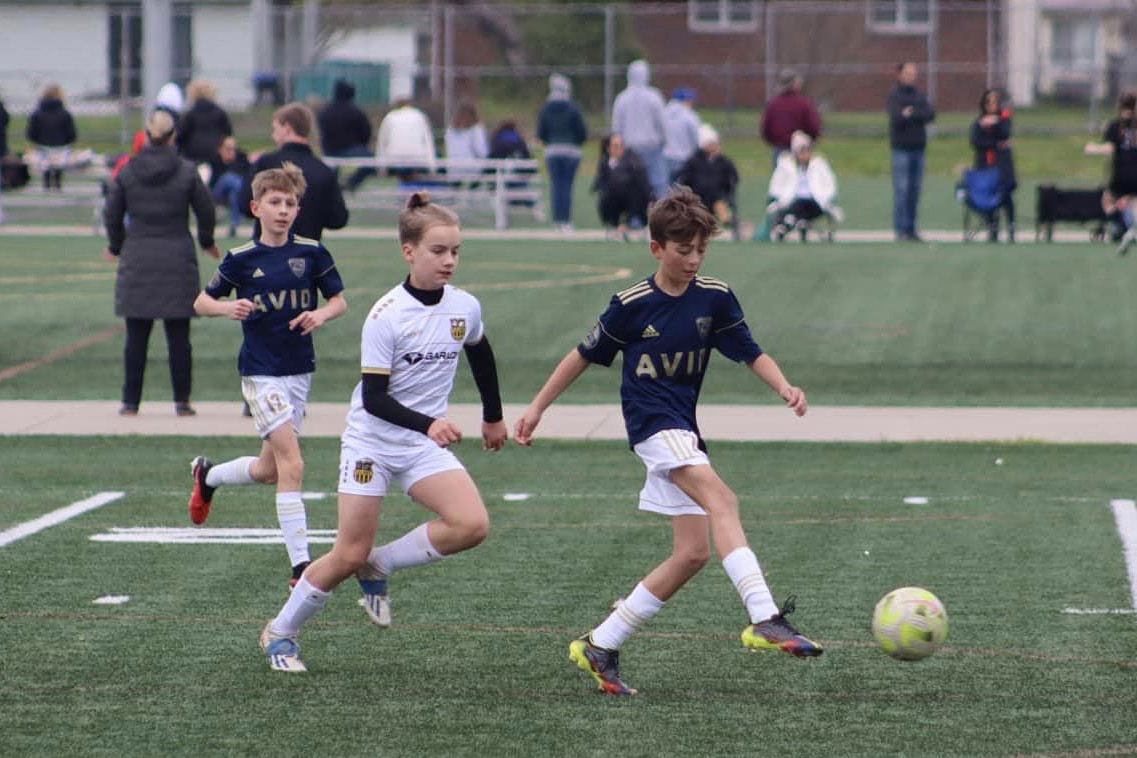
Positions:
(79, 44)
(1066, 47)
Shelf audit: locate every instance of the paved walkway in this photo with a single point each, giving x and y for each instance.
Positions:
(604, 422)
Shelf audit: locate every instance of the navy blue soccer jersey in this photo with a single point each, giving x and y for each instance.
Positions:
(282, 282)
(667, 342)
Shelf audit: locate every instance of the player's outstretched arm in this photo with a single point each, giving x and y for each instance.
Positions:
(207, 305)
(309, 321)
(767, 369)
(567, 371)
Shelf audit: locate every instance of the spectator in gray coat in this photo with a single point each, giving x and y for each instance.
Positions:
(157, 266)
(637, 115)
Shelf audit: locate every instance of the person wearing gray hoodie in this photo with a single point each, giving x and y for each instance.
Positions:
(560, 127)
(637, 115)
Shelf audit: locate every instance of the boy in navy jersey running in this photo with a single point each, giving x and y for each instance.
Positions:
(277, 278)
(666, 327)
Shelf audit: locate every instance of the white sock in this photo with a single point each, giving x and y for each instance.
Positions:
(304, 603)
(636, 610)
(412, 549)
(294, 525)
(235, 471)
(743, 569)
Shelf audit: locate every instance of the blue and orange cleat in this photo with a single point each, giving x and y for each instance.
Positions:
(602, 664)
(776, 633)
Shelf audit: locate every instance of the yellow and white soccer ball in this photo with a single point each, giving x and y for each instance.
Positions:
(909, 623)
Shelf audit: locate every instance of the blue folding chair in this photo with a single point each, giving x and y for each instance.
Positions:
(982, 196)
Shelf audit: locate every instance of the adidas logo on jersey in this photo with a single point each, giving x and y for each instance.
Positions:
(649, 332)
(258, 274)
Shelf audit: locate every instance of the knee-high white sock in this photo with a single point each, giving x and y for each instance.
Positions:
(743, 569)
(635, 611)
(235, 471)
(294, 525)
(304, 602)
(412, 549)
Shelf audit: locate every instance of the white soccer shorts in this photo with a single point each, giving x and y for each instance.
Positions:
(276, 400)
(661, 453)
(369, 469)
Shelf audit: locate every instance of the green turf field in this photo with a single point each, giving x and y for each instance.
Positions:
(860, 324)
(476, 663)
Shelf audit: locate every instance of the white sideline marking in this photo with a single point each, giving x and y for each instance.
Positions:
(58, 516)
(111, 600)
(916, 500)
(176, 535)
(516, 496)
(1125, 512)
(1099, 611)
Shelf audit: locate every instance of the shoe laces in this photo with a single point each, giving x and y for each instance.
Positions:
(778, 621)
(607, 662)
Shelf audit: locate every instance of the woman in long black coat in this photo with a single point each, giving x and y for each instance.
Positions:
(158, 275)
(991, 138)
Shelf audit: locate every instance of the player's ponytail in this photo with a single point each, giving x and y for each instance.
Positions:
(419, 215)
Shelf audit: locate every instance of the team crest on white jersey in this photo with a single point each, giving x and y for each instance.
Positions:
(458, 328)
(703, 324)
(364, 471)
(298, 266)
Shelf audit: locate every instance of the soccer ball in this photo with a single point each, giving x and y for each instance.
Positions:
(909, 623)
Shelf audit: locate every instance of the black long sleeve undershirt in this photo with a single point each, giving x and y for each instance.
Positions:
(484, 367)
(378, 402)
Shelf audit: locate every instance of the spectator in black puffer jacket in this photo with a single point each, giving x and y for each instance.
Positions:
(204, 125)
(345, 131)
(623, 185)
(52, 130)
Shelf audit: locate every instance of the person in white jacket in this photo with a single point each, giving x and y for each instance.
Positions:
(803, 188)
(406, 136)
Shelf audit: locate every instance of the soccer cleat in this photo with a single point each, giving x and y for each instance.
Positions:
(1127, 241)
(283, 651)
(603, 665)
(375, 601)
(378, 609)
(776, 633)
(297, 572)
(202, 496)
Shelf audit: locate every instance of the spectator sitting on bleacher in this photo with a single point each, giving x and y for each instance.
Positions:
(711, 175)
(227, 172)
(803, 187)
(466, 139)
(345, 132)
(623, 185)
(406, 141)
(507, 142)
(52, 130)
(204, 125)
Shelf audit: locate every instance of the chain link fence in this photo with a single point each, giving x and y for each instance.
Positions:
(1076, 54)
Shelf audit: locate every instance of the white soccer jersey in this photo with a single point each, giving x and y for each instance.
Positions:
(419, 347)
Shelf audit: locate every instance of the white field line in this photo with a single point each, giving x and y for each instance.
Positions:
(18, 532)
(195, 536)
(1125, 512)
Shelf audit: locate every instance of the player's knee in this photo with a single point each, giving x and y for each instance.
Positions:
(354, 557)
(472, 528)
(722, 504)
(692, 559)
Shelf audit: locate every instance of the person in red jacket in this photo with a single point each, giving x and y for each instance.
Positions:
(787, 112)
